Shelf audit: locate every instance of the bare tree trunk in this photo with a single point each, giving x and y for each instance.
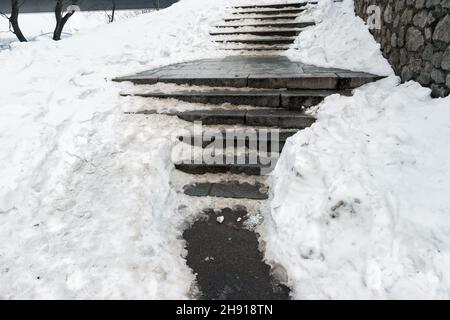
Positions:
(14, 20)
(60, 19)
(111, 17)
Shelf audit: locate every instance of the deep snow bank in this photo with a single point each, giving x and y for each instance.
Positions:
(84, 189)
(360, 205)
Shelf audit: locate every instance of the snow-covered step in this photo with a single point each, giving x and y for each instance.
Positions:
(262, 17)
(258, 40)
(289, 99)
(267, 24)
(298, 4)
(271, 32)
(267, 139)
(269, 11)
(227, 189)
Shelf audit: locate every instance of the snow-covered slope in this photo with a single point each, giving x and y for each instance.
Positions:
(83, 189)
(360, 205)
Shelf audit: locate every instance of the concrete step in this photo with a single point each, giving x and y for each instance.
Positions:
(257, 48)
(266, 72)
(262, 17)
(269, 24)
(311, 80)
(227, 189)
(267, 139)
(289, 99)
(266, 117)
(262, 167)
(276, 5)
(270, 32)
(226, 260)
(268, 11)
(258, 40)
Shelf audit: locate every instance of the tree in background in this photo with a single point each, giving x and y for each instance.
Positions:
(61, 18)
(14, 20)
(111, 17)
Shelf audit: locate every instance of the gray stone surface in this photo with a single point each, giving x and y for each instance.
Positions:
(216, 116)
(414, 37)
(230, 189)
(226, 259)
(253, 139)
(445, 59)
(248, 169)
(278, 118)
(262, 17)
(257, 40)
(442, 31)
(268, 11)
(270, 72)
(298, 4)
(266, 24)
(260, 32)
(284, 119)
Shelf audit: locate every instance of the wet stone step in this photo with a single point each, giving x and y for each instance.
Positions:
(276, 5)
(225, 257)
(268, 11)
(233, 189)
(262, 17)
(255, 48)
(283, 119)
(251, 168)
(262, 32)
(272, 24)
(270, 140)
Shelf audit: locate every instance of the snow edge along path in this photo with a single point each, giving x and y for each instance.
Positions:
(359, 205)
(84, 193)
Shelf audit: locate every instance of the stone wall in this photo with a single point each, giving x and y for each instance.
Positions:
(415, 38)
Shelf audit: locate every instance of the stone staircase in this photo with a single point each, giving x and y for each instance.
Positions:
(254, 103)
(261, 27)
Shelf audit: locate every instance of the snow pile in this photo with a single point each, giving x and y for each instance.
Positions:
(84, 190)
(339, 40)
(360, 205)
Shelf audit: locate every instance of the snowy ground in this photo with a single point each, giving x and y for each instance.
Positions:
(88, 198)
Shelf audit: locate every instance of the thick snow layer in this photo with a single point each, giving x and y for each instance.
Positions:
(41, 25)
(339, 40)
(84, 209)
(359, 206)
